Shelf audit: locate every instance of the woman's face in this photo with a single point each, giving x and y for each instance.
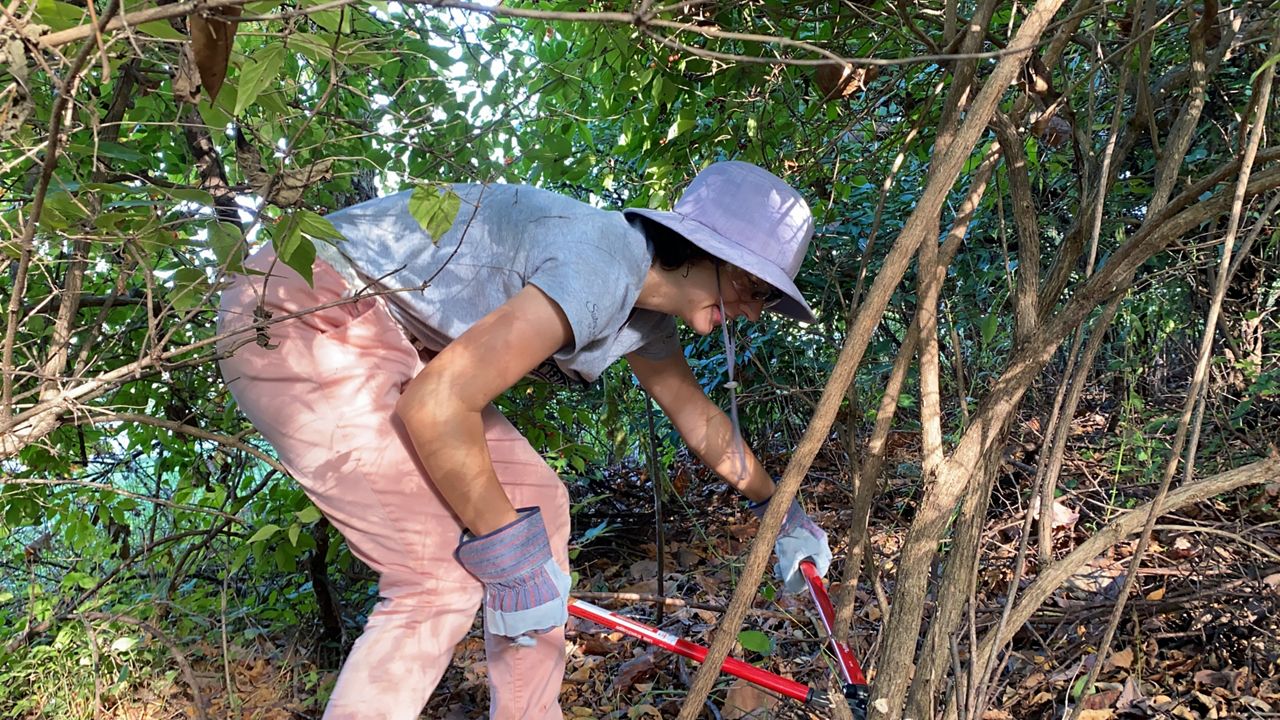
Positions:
(706, 282)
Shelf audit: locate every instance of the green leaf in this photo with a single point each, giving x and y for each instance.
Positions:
(293, 246)
(261, 8)
(227, 243)
(330, 20)
(68, 208)
(257, 74)
(684, 122)
(190, 288)
(78, 579)
(192, 195)
(123, 644)
(265, 532)
(161, 29)
(1242, 409)
(756, 642)
(217, 114)
(353, 53)
(119, 152)
(308, 515)
(273, 101)
(286, 558)
(59, 15)
(239, 557)
(294, 529)
(318, 227)
(297, 251)
(435, 207)
(286, 234)
(1079, 687)
(1263, 67)
(990, 323)
(315, 47)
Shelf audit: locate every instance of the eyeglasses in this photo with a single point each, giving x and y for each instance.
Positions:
(753, 288)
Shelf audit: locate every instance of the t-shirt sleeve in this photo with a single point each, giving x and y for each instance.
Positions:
(662, 343)
(589, 285)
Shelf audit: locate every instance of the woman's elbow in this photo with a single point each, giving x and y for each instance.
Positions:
(430, 401)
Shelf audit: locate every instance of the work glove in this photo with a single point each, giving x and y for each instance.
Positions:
(799, 539)
(525, 591)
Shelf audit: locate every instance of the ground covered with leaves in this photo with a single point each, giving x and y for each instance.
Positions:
(1200, 639)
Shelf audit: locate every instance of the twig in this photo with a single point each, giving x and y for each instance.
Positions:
(649, 598)
(867, 476)
(10, 480)
(201, 707)
(1224, 533)
(92, 636)
(25, 243)
(1047, 473)
(165, 12)
(1195, 392)
(957, 363)
(924, 217)
(958, 676)
(1126, 524)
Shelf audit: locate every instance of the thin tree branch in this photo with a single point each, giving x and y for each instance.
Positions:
(201, 705)
(1196, 390)
(105, 487)
(1052, 577)
(57, 115)
(925, 216)
(165, 12)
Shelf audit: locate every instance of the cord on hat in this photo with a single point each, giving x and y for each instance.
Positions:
(732, 386)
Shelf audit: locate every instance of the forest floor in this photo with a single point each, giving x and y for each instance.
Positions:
(1201, 638)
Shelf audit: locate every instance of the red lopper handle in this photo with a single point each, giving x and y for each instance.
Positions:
(693, 651)
(848, 663)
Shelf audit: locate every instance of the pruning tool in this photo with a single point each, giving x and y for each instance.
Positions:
(855, 684)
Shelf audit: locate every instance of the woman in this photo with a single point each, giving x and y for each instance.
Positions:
(381, 407)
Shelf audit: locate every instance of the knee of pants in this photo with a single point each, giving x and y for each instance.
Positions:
(405, 594)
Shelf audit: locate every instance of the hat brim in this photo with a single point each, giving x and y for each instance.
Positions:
(792, 303)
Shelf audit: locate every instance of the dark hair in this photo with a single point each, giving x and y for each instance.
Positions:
(671, 251)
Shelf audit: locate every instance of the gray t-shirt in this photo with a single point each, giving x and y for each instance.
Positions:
(591, 262)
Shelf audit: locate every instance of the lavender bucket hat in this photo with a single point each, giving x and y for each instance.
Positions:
(750, 218)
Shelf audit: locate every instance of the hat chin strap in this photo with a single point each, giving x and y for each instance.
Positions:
(740, 453)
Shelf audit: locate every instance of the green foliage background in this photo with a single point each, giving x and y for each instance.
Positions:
(149, 497)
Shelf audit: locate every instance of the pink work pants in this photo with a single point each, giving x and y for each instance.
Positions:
(324, 394)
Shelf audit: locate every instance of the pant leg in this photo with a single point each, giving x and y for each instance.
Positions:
(524, 682)
(323, 393)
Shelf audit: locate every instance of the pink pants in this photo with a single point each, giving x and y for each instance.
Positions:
(324, 396)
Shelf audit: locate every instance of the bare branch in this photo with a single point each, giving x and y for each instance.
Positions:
(1052, 577)
(1195, 391)
(924, 217)
(165, 12)
(56, 117)
(10, 480)
(1026, 312)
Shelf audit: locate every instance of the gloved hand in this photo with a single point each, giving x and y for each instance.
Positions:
(525, 591)
(799, 538)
